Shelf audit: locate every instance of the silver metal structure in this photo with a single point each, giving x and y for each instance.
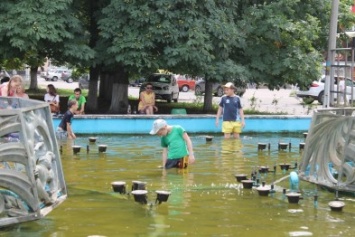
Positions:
(31, 176)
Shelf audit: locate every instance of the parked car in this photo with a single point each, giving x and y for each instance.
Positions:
(164, 86)
(67, 76)
(55, 74)
(138, 82)
(186, 84)
(316, 90)
(84, 81)
(217, 88)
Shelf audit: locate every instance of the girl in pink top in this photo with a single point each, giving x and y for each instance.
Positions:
(20, 92)
(9, 88)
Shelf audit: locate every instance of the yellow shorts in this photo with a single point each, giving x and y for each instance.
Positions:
(231, 127)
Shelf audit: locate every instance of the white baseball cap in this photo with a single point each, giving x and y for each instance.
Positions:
(229, 85)
(157, 125)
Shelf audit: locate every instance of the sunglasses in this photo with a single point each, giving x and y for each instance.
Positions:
(149, 87)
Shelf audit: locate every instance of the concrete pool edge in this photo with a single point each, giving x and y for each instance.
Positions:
(193, 123)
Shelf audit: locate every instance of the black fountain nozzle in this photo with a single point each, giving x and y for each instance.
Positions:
(76, 149)
(261, 146)
(140, 196)
(285, 166)
(301, 146)
(263, 169)
(282, 146)
(162, 196)
(119, 187)
(138, 185)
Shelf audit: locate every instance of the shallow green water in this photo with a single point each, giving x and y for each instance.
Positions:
(205, 199)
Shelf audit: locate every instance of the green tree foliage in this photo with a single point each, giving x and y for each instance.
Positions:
(32, 30)
(266, 41)
(273, 42)
(181, 36)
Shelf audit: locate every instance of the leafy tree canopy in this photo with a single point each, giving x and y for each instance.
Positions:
(273, 42)
(35, 29)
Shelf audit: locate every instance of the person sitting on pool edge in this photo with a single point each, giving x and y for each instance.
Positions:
(147, 100)
(80, 99)
(176, 143)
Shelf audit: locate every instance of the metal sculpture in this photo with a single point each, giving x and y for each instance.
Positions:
(329, 154)
(31, 175)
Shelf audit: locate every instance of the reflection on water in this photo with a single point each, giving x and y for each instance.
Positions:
(205, 199)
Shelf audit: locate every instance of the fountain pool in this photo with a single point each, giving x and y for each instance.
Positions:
(205, 199)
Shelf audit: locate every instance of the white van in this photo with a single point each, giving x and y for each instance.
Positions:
(164, 86)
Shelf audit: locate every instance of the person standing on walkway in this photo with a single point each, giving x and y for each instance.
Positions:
(342, 91)
(233, 114)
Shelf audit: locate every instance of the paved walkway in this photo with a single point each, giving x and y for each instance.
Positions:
(283, 100)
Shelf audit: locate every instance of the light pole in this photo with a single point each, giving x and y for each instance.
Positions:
(351, 35)
(329, 76)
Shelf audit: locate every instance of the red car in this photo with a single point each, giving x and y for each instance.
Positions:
(186, 84)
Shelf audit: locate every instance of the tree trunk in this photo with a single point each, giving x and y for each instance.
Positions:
(105, 90)
(33, 78)
(91, 104)
(94, 71)
(207, 104)
(119, 102)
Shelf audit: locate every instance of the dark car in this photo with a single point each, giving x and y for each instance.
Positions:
(217, 88)
(67, 76)
(138, 82)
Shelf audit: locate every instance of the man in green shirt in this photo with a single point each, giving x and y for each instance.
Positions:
(177, 145)
(80, 99)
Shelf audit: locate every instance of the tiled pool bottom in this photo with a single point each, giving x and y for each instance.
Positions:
(205, 199)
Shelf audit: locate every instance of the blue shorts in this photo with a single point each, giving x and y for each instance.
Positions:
(176, 163)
